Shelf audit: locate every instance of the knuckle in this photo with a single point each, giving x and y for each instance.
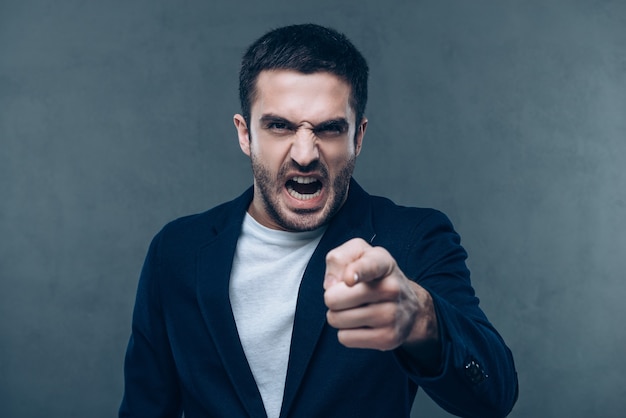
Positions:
(390, 316)
(391, 289)
(394, 339)
(387, 339)
(343, 338)
(332, 257)
(380, 250)
(329, 301)
(330, 317)
(394, 286)
(361, 242)
(386, 315)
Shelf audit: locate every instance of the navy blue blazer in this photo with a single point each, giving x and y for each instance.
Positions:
(184, 352)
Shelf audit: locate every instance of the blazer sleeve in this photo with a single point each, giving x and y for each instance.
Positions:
(477, 377)
(150, 379)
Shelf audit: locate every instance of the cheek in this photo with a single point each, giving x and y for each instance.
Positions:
(338, 156)
(269, 153)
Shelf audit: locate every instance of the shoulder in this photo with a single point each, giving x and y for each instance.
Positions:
(196, 229)
(387, 213)
(395, 222)
(423, 242)
(383, 211)
(419, 238)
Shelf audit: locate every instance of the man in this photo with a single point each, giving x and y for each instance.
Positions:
(305, 296)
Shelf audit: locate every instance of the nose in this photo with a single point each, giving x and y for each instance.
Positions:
(304, 149)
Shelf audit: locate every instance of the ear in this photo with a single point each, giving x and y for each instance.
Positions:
(243, 133)
(358, 142)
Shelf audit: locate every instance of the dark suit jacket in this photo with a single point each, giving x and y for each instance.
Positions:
(184, 352)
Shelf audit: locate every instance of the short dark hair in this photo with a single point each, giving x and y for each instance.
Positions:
(308, 49)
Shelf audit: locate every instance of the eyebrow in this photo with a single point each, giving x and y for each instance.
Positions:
(340, 123)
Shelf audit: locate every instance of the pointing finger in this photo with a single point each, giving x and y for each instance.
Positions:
(338, 260)
(375, 263)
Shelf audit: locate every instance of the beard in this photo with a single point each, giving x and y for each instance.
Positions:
(270, 188)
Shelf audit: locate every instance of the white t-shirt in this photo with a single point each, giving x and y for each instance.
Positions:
(264, 282)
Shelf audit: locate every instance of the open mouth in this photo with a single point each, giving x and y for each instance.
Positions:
(304, 188)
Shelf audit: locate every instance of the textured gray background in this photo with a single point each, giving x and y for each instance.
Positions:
(115, 117)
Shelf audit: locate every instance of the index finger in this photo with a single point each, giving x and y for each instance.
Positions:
(374, 263)
(338, 260)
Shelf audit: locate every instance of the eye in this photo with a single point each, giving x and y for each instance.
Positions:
(278, 127)
(331, 130)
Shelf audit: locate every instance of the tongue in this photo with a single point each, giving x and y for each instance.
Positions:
(305, 188)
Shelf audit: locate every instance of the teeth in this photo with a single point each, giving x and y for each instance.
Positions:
(301, 196)
(303, 180)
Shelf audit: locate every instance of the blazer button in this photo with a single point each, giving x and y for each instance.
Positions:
(474, 372)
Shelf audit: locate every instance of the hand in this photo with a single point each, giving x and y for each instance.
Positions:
(373, 304)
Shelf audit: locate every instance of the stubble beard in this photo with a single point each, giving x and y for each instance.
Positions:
(269, 188)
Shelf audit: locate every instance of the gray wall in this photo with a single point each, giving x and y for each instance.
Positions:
(509, 116)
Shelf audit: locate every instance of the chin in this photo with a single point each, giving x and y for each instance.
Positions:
(302, 220)
(303, 223)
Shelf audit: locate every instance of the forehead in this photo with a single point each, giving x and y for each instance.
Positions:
(300, 97)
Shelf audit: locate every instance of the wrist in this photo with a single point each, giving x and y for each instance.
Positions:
(423, 344)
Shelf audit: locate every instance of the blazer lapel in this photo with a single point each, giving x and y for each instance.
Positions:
(214, 267)
(352, 221)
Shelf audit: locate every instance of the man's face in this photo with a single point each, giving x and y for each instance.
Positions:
(303, 147)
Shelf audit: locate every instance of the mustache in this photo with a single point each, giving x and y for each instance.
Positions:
(314, 167)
